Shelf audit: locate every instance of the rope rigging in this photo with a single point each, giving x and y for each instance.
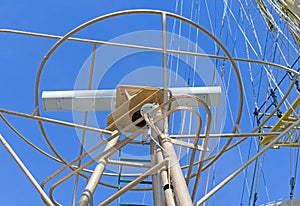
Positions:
(273, 95)
(294, 177)
(275, 102)
(248, 49)
(292, 184)
(255, 198)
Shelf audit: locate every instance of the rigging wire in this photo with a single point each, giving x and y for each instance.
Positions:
(227, 87)
(293, 178)
(296, 166)
(278, 8)
(278, 29)
(171, 57)
(178, 48)
(279, 114)
(253, 178)
(253, 90)
(256, 110)
(276, 87)
(252, 48)
(258, 123)
(283, 56)
(270, 75)
(258, 179)
(179, 35)
(244, 91)
(188, 58)
(187, 73)
(217, 113)
(250, 71)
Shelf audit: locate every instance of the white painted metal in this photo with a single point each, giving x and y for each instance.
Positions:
(44, 196)
(104, 100)
(156, 182)
(78, 100)
(178, 181)
(94, 179)
(293, 202)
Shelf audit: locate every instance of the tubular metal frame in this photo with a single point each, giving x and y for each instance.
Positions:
(77, 169)
(156, 12)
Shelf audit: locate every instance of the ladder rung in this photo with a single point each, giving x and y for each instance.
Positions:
(287, 144)
(289, 120)
(142, 182)
(134, 160)
(280, 126)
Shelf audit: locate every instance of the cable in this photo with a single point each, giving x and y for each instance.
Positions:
(253, 178)
(276, 87)
(294, 178)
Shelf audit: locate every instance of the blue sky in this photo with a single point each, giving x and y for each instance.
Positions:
(20, 57)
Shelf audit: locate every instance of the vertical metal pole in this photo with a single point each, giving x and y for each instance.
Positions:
(165, 180)
(178, 180)
(157, 156)
(156, 185)
(165, 67)
(180, 187)
(45, 197)
(181, 190)
(84, 123)
(94, 179)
